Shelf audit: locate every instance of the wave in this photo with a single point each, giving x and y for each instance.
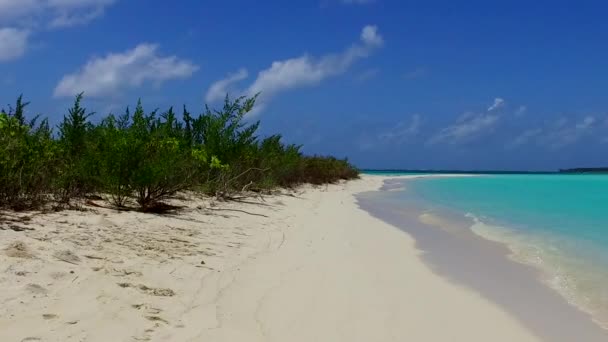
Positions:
(569, 266)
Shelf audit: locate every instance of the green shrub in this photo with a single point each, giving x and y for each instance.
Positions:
(150, 157)
(27, 160)
(78, 169)
(144, 156)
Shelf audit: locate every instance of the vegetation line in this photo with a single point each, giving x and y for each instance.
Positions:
(139, 159)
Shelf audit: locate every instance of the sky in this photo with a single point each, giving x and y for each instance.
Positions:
(490, 85)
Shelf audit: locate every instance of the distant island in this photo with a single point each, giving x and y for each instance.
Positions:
(481, 172)
(588, 170)
(585, 170)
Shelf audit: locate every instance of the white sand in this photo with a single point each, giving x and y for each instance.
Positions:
(317, 268)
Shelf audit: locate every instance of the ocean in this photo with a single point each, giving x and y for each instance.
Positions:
(556, 223)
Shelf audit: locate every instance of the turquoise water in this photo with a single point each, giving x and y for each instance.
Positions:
(557, 223)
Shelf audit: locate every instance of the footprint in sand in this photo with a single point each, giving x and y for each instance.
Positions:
(151, 314)
(104, 222)
(58, 275)
(67, 256)
(159, 292)
(149, 310)
(125, 272)
(157, 319)
(18, 249)
(35, 288)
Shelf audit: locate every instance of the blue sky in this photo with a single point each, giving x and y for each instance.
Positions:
(390, 84)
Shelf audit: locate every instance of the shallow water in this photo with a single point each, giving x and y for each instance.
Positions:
(555, 223)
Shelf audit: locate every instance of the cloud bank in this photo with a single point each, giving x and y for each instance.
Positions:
(298, 72)
(470, 126)
(403, 131)
(108, 75)
(13, 43)
(52, 13)
(19, 18)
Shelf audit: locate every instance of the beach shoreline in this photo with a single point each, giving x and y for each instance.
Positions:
(302, 266)
(460, 254)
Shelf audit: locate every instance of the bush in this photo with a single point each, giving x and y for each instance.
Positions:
(27, 159)
(150, 157)
(78, 169)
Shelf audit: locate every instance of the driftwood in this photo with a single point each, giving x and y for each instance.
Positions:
(238, 210)
(225, 188)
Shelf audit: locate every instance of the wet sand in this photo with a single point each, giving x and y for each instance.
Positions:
(457, 254)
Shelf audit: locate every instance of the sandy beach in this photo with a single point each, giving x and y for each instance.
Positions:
(304, 266)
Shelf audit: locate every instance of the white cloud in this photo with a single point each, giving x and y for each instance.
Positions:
(129, 69)
(219, 89)
(371, 37)
(13, 43)
(305, 70)
(468, 127)
(560, 133)
(586, 123)
(27, 16)
(498, 103)
(68, 19)
(78, 3)
(291, 73)
(10, 9)
(525, 137)
(403, 130)
(302, 71)
(54, 13)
